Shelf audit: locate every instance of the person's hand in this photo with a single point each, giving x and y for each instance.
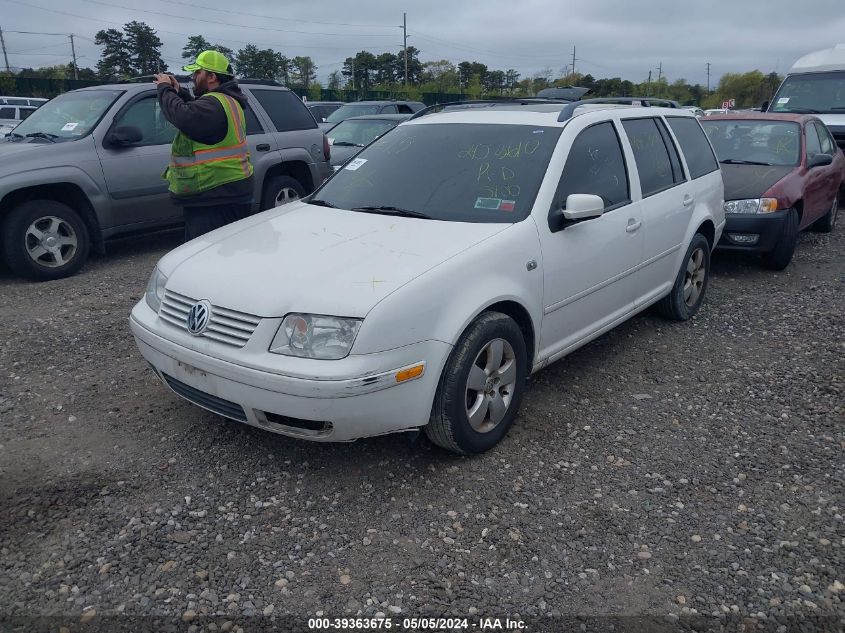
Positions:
(165, 78)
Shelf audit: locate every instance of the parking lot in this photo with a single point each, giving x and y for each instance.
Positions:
(667, 469)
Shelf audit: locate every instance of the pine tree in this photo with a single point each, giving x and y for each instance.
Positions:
(115, 62)
(145, 48)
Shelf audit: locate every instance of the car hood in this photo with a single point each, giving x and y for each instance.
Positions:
(17, 148)
(751, 181)
(304, 258)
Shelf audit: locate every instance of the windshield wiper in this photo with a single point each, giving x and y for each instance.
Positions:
(321, 203)
(800, 111)
(388, 210)
(347, 144)
(737, 161)
(49, 137)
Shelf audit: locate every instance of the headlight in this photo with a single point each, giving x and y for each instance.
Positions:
(155, 290)
(315, 336)
(754, 205)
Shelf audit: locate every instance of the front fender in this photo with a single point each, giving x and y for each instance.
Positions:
(93, 189)
(442, 302)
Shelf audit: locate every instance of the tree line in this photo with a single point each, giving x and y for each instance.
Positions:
(136, 51)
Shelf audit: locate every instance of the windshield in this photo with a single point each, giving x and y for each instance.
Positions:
(69, 116)
(448, 171)
(350, 110)
(812, 93)
(766, 142)
(358, 131)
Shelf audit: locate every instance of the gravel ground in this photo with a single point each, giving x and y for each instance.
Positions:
(667, 470)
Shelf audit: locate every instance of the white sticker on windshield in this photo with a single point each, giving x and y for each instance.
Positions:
(355, 163)
(783, 100)
(69, 127)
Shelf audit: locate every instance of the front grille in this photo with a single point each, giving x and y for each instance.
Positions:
(226, 326)
(206, 400)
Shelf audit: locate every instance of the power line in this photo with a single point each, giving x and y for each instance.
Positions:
(244, 26)
(285, 18)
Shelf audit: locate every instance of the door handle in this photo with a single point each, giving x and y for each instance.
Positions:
(263, 147)
(633, 225)
(688, 200)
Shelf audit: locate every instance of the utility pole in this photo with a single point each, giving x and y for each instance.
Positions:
(648, 85)
(5, 56)
(573, 62)
(708, 78)
(659, 77)
(73, 50)
(405, 44)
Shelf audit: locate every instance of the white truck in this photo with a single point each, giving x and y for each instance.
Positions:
(816, 85)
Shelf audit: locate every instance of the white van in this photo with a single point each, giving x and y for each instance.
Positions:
(816, 85)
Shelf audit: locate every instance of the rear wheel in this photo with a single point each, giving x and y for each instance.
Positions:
(826, 223)
(687, 294)
(780, 256)
(281, 190)
(44, 240)
(481, 387)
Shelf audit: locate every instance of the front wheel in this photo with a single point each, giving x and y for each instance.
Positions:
(45, 240)
(481, 387)
(281, 190)
(687, 294)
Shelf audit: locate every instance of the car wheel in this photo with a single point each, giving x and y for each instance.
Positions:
(481, 387)
(281, 190)
(44, 240)
(826, 223)
(780, 256)
(687, 294)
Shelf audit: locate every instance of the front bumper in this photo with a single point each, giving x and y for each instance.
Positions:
(364, 403)
(767, 227)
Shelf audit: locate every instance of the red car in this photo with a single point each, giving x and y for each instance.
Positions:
(783, 173)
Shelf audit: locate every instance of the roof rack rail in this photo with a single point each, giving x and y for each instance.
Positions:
(569, 110)
(469, 104)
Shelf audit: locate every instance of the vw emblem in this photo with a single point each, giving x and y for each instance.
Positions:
(198, 317)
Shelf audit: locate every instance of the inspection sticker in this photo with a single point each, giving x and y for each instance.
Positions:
(69, 127)
(355, 164)
(783, 100)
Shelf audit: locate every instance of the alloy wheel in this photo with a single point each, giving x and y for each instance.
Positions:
(490, 385)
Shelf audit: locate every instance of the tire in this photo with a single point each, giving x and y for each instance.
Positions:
(45, 240)
(500, 381)
(780, 256)
(826, 223)
(280, 190)
(687, 294)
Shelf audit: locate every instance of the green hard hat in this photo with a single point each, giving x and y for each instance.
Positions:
(212, 61)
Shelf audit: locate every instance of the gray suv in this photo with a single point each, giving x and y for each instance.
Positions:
(87, 165)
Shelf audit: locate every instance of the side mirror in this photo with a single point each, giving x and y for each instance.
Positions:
(819, 160)
(764, 106)
(579, 208)
(124, 135)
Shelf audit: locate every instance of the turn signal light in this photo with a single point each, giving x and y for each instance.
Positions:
(410, 373)
(768, 205)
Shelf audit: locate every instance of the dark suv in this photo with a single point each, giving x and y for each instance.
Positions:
(87, 165)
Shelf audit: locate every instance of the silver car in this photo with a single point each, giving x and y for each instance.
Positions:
(87, 166)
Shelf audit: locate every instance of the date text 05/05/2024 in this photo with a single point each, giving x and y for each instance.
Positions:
(416, 624)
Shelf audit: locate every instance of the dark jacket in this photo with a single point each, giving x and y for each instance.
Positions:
(204, 120)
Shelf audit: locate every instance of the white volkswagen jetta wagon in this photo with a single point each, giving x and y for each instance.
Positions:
(453, 257)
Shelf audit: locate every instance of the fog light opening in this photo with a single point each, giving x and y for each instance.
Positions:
(746, 239)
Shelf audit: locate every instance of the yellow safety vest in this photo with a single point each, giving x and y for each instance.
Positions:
(196, 167)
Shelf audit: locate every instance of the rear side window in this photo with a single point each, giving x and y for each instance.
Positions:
(7, 113)
(651, 155)
(404, 109)
(595, 165)
(677, 170)
(694, 144)
(390, 109)
(285, 109)
(25, 112)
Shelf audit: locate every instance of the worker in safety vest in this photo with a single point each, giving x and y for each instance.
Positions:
(210, 174)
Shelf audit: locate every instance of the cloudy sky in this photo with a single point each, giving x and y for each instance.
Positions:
(624, 38)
